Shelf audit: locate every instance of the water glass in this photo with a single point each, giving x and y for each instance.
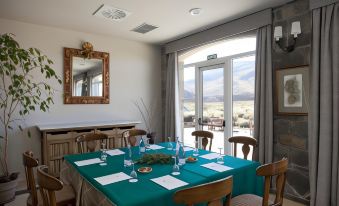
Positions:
(128, 157)
(169, 145)
(103, 156)
(176, 168)
(196, 150)
(220, 159)
(133, 174)
(147, 145)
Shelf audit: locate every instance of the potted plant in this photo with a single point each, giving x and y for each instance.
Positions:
(21, 92)
(148, 116)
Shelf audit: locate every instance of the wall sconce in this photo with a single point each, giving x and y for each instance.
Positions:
(295, 30)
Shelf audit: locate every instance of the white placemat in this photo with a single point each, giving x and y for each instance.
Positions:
(169, 182)
(186, 149)
(88, 162)
(155, 147)
(216, 167)
(114, 152)
(210, 156)
(109, 179)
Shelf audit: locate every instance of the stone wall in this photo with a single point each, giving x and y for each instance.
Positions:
(290, 132)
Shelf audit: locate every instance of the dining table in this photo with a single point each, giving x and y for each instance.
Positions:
(94, 183)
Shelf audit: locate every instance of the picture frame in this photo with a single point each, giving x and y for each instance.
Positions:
(292, 90)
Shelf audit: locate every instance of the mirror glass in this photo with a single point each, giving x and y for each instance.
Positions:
(87, 76)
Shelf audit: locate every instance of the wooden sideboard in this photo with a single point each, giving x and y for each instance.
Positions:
(59, 139)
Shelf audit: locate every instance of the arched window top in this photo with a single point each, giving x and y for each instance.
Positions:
(221, 48)
(97, 79)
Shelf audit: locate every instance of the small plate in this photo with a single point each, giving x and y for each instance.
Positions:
(145, 169)
(191, 159)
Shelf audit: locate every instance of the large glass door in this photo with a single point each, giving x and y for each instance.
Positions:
(218, 96)
(211, 105)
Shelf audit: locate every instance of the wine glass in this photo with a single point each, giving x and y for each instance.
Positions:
(133, 174)
(103, 156)
(220, 159)
(176, 169)
(196, 150)
(170, 145)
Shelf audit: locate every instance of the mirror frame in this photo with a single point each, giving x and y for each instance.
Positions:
(68, 88)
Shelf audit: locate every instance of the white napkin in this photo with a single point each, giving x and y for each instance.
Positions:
(217, 167)
(88, 162)
(109, 179)
(186, 149)
(114, 152)
(169, 182)
(155, 146)
(210, 156)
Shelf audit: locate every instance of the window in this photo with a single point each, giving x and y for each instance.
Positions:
(78, 88)
(96, 85)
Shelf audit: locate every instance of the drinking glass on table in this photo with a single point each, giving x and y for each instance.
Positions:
(103, 156)
(169, 145)
(133, 174)
(175, 169)
(196, 150)
(220, 159)
(128, 156)
(147, 145)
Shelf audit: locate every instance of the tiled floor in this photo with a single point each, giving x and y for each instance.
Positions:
(21, 201)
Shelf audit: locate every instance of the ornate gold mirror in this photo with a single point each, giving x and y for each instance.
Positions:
(86, 76)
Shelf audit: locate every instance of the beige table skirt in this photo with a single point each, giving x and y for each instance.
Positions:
(86, 194)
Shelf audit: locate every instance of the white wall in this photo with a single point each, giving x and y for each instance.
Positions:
(134, 73)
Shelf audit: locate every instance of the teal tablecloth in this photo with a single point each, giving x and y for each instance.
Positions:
(146, 192)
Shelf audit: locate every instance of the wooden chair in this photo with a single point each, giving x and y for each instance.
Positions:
(130, 136)
(88, 142)
(212, 193)
(277, 169)
(30, 163)
(246, 141)
(52, 190)
(64, 197)
(205, 136)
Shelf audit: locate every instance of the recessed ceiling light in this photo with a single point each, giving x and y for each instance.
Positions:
(195, 11)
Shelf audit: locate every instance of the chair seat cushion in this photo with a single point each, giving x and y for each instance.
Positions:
(63, 197)
(247, 200)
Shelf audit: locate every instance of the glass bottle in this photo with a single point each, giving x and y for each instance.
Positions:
(142, 146)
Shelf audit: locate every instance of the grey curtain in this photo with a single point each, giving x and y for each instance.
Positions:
(324, 113)
(263, 102)
(171, 99)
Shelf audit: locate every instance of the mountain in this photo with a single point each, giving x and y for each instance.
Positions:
(243, 83)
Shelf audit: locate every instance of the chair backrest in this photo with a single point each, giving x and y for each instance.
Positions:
(246, 141)
(279, 170)
(205, 135)
(212, 193)
(30, 163)
(130, 136)
(48, 185)
(88, 142)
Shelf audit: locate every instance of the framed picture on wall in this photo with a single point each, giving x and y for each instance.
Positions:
(292, 89)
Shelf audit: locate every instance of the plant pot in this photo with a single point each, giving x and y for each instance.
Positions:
(8, 188)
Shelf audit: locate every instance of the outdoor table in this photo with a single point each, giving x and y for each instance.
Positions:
(145, 191)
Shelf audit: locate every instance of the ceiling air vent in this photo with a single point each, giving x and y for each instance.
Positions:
(144, 28)
(109, 12)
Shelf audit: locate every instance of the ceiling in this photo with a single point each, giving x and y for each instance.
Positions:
(171, 16)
